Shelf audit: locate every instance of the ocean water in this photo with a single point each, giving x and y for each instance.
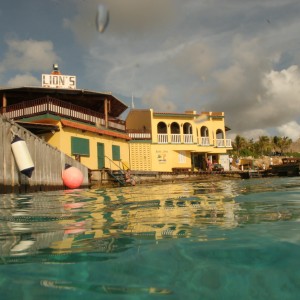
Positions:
(229, 239)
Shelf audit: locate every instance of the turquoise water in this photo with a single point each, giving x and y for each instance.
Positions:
(235, 239)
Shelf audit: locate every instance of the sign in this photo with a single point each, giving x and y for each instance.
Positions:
(161, 156)
(58, 81)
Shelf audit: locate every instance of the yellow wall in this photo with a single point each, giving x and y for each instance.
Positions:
(140, 156)
(62, 140)
(139, 119)
(165, 158)
(152, 155)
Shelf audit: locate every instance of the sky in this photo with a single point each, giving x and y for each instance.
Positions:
(239, 57)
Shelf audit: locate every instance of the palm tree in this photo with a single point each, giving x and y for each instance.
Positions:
(282, 143)
(239, 143)
(264, 144)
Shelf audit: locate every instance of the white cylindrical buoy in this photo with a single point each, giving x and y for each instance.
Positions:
(72, 177)
(22, 156)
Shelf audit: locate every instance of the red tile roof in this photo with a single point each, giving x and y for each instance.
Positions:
(94, 129)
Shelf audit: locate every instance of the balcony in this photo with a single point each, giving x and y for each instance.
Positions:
(175, 138)
(188, 139)
(204, 141)
(60, 108)
(164, 138)
(223, 143)
(138, 135)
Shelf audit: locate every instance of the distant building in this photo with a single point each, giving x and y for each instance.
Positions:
(176, 141)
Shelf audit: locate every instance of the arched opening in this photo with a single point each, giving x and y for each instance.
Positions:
(175, 133)
(220, 134)
(187, 133)
(204, 139)
(204, 131)
(220, 142)
(161, 127)
(187, 128)
(162, 136)
(175, 128)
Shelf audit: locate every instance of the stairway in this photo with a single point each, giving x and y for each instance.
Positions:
(118, 176)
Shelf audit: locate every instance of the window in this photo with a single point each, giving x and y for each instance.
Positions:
(182, 157)
(116, 153)
(80, 146)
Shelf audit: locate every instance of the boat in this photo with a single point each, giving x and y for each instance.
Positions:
(290, 167)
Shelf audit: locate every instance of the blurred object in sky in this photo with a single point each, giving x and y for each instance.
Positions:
(102, 18)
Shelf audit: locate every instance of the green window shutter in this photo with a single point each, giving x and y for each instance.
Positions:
(80, 146)
(116, 153)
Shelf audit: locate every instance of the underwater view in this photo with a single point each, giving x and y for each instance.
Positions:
(230, 239)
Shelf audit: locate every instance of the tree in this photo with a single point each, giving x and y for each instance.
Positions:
(238, 144)
(282, 143)
(264, 144)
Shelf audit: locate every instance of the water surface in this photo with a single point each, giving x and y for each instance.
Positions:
(235, 239)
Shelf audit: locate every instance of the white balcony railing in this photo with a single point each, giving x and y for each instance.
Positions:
(221, 143)
(188, 138)
(204, 141)
(162, 138)
(140, 135)
(175, 138)
(228, 143)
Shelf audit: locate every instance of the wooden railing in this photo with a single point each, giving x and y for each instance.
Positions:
(61, 108)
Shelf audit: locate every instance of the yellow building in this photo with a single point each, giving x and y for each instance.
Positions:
(86, 125)
(176, 141)
(83, 124)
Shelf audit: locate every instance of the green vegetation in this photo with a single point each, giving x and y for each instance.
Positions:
(263, 146)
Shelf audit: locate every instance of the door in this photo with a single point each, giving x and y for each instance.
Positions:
(100, 155)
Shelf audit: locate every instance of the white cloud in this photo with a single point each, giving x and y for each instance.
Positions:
(29, 55)
(24, 80)
(290, 129)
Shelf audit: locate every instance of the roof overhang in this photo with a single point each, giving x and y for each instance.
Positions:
(38, 128)
(84, 98)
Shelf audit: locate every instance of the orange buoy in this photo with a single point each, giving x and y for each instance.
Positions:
(72, 177)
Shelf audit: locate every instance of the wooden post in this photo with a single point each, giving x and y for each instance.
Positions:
(4, 103)
(106, 112)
